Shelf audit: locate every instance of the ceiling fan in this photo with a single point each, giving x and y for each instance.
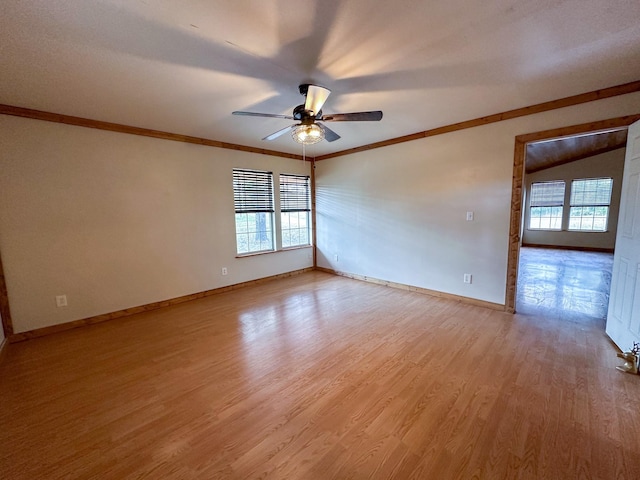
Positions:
(311, 130)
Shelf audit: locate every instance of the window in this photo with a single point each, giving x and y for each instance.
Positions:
(295, 208)
(253, 200)
(589, 205)
(547, 201)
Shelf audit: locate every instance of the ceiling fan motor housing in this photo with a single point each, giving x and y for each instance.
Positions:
(305, 116)
(303, 89)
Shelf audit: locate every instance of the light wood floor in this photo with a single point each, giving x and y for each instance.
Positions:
(320, 377)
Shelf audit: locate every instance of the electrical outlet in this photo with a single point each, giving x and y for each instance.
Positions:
(224, 270)
(61, 300)
(335, 257)
(469, 216)
(467, 278)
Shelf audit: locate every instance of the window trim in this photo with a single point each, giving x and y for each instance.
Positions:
(253, 192)
(552, 202)
(292, 201)
(573, 203)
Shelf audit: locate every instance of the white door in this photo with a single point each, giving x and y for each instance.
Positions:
(623, 318)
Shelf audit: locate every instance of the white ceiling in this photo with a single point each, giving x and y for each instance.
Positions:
(184, 66)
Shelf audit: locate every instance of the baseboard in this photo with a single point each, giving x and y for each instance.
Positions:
(44, 331)
(41, 332)
(411, 288)
(564, 247)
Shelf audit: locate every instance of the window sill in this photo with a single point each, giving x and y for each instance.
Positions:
(268, 252)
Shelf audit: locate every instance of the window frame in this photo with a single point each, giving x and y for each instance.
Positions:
(551, 200)
(253, 194)
(574, 203)
(295, 197)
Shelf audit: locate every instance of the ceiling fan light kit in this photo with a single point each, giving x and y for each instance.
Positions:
(308, 132)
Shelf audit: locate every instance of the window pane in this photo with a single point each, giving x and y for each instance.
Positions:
(601, 211)
(534, 223)
(589, 219)
(304, 236)
(241, 223)
(295, 230)
(295, 207)
(253, 202)
(545, 218)
(546, 205)
(544, 223)
(590, 199)
(286, 238)
(575, 218)
(599, 224)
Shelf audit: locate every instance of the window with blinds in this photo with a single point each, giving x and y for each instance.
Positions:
(546, 205)
(254, 207)
(295, 210)
(589, 204)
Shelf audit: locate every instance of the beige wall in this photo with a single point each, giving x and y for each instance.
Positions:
(398, 213)
(114, 220)
(610, 164)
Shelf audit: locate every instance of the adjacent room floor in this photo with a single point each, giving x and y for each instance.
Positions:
(570, 284)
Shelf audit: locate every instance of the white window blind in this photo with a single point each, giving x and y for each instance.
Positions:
(547, 194)
(295, 208)
(589, 204)
(294, 193)
(591, 191)
(546, 205)
(253, 202)
(252, 191)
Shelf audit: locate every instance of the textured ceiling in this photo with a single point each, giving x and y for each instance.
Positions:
(184, 66)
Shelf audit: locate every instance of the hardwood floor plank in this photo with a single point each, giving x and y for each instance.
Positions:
(320, 377)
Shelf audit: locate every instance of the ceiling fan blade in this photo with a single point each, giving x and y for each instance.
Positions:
(270, 115)
(354, 117)
(329, 135)
(282, 131)
(316, 96)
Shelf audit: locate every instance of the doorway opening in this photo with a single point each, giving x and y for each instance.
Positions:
(518, 183)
